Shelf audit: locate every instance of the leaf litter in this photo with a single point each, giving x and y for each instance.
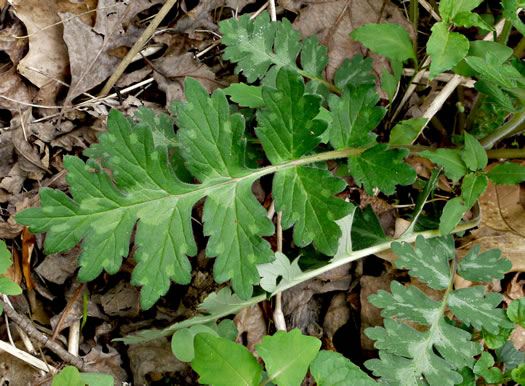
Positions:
(64, 45)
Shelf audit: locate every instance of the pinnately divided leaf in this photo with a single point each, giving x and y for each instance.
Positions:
(436, 355)
(287, 130)
(144, 191)
(382, 168)
(256, 45)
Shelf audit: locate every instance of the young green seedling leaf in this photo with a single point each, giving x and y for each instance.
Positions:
(281, 267)
(366, 229)
(452, 213)
(405, 132)
(491, 68)
(474, 155)
(510, 12)
(509, 356)
(507, 173)
(469, 19)
(516, 311)
(395, 41)
(446, 48)
(287, 356)
(472, 187)
(256, 45)
(219, 361)
(331, 368)
(448, 9)
(245, 95)
(483, 367)
(450, 160)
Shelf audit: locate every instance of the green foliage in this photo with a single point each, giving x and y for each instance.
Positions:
(507, 173)
(516, 311)
(7, 286)
(288, 355)
(256, 45)
(438, 353)
(446, 48)
(331, 368)
(405, 132)
(394, 43)
(71, 376)
(219, 361)
(376, 167)
(154, 170)
(182, 341)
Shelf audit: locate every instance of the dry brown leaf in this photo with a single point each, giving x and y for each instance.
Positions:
(114, 17)
(174, 71)
(370, 314)
(333, 22)
(59, 267)
(47, 58)
(14, 371)
(153, 359)
(109, 362)
(12, 86)
(89, 47)
(201, 16)
(10, 45)
(10, 229)
(337, 315)
(251, 321)
(32, 160)
(121, 300)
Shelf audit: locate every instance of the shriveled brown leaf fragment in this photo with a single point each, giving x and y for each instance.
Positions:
(174, 71)
(251, 321)
(153, 359)
(47, 59)
(12, 86)
(90, 48)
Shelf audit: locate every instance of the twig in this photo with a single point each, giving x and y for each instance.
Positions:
(31, 330)
(443, 77)
(429, 9)
(278, 316)
(28, 358)
(273, 16)
(138, 46)
(66, 310)
(74, 337)
(260, 10)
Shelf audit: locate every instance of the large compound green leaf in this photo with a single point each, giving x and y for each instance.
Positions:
(258, 44)
(103, 214)
(436, 355)
(287, 130)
